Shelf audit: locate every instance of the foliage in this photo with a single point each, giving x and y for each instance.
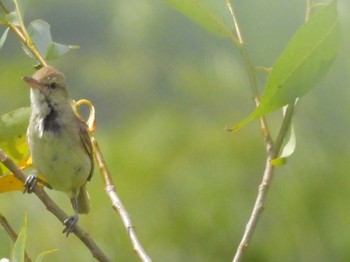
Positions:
(164, 92)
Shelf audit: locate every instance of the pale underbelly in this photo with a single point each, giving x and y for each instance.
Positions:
(65, 166)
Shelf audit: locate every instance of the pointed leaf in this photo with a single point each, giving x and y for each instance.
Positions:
(45, 253)
(40, 32)
(19, 247)
(201, 13)
(303, 63)
(56, 50)
(3, 37)
(288, 149)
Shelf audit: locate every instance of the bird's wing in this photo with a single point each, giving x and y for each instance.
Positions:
(85, 139)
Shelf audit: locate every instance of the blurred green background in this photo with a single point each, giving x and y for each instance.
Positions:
(164, 90)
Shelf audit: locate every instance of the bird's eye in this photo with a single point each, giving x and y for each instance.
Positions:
(52, 85)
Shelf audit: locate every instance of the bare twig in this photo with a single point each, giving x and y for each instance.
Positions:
(54, 209)
(12, 233)
(108, 182)
(117, 204)
(257, 210)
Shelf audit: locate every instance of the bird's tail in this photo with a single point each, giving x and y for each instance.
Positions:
(83, 201)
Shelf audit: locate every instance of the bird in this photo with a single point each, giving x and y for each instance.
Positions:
(59, 142)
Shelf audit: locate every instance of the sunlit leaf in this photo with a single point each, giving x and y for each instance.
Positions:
(10, 183)
(201, 13)
(40, 32)
(19, 246)
(13, 126)
(303, 63)
(3, 37)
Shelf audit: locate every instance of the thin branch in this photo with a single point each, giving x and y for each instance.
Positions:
(23, 35)
(264, 186)
(250, 68)
(108, 182)
(55, 209)
(12, 234)
(117, 204)
(21, 22)
(309, 6)
(235, 21)
(256, 212)
(271, 148)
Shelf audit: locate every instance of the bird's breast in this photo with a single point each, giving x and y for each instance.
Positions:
(60, 156)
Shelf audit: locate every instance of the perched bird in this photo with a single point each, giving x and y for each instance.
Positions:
(59, 141)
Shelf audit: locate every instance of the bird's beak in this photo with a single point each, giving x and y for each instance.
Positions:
(32, 82)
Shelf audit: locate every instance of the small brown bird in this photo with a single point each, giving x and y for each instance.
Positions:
(59, 141)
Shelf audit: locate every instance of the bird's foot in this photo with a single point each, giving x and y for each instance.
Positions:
(70, 224)
(30, 184)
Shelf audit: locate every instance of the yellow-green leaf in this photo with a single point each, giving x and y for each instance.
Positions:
(45, 253)
(19, 247)
(202, 13)
(40, 32)
(303, 63)
(13, 126)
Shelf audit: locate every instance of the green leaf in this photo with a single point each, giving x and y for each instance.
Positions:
(13, 126)
(6, 242)
(202, 13)
(12, 18)
(19, 247)
(3, 37)
(45, 253)
(289, 147)
(303, 63)
(40, 32)
(56, 50)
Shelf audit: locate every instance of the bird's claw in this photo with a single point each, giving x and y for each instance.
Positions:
(70, 224)
(30, 184)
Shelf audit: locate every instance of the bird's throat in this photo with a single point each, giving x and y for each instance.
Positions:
(50, 122)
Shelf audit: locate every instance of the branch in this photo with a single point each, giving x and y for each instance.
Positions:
(54, 209)
(22, 34)
(12, 233)
(250, 68)
(257, 211)
(117, 204)
(271, 147)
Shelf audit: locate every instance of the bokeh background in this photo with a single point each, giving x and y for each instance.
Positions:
(164, 91)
